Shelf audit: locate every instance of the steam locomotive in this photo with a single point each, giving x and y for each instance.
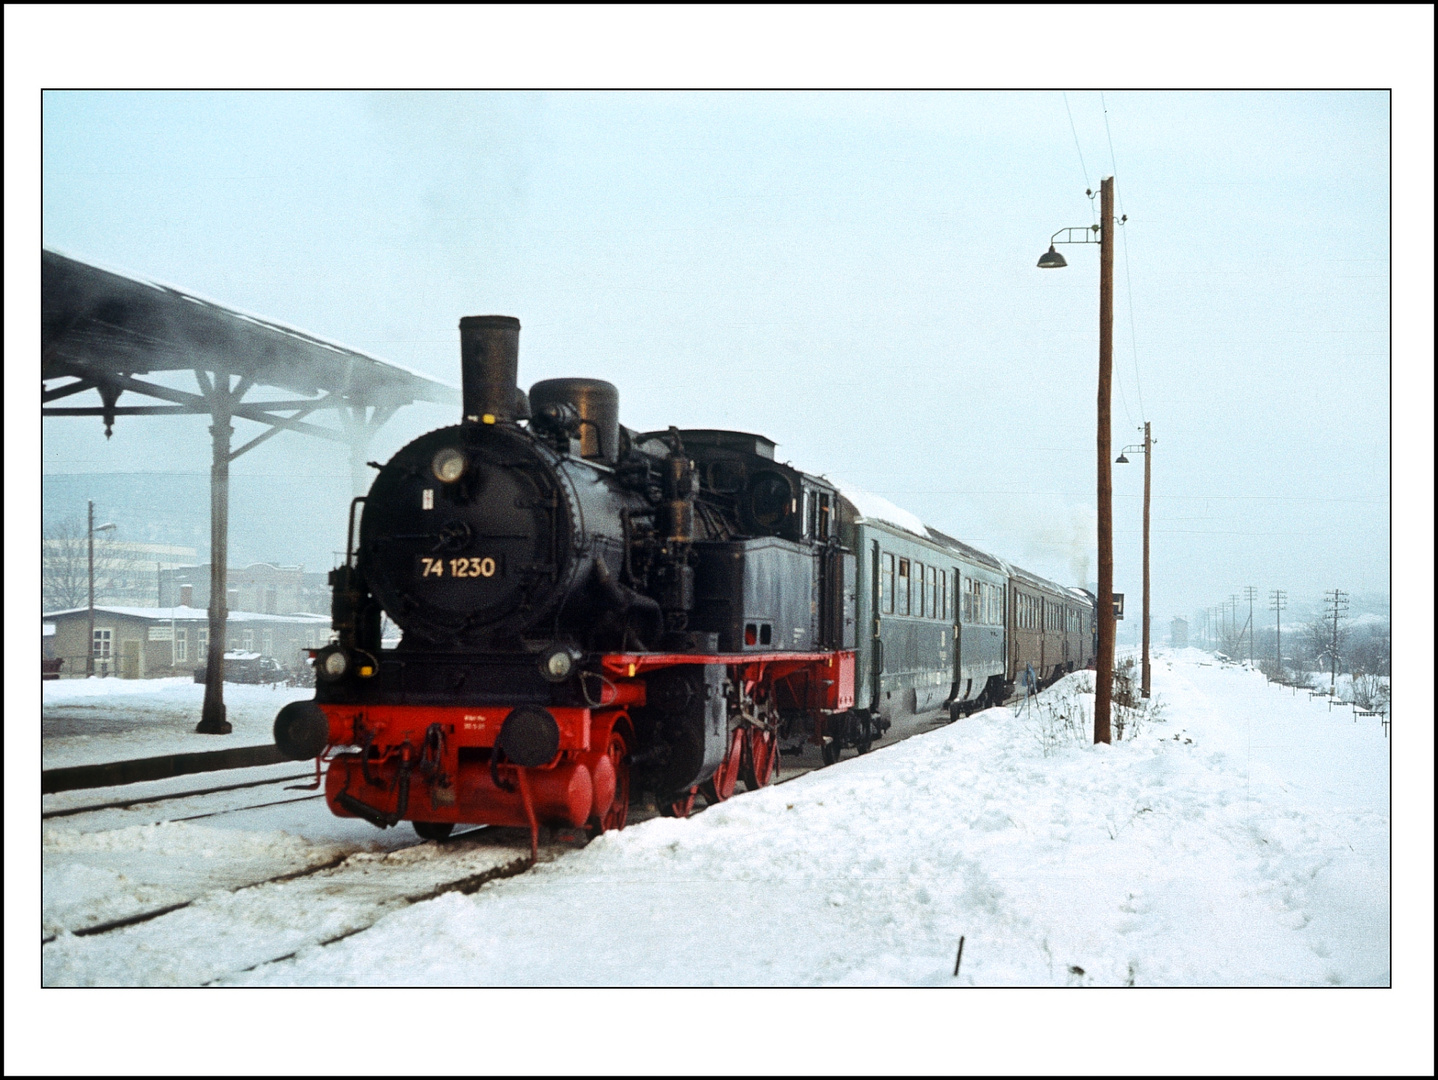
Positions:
(589, 612)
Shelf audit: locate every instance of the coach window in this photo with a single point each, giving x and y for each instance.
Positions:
(888, 584)
(944, 595)
(966, 614)
(824, 511)
(921, 576)
(903, 586)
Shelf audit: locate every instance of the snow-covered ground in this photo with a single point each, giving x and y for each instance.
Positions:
(87, 721)
(1243, 840)
(1240, 839)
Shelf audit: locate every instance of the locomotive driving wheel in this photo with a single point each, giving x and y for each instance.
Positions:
(721, 785)
(618, 812)
(761, 754)
(680, 807)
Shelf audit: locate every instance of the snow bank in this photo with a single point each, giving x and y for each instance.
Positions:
(1243, 840)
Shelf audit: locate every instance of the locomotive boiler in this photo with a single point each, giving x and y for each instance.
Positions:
(586, 612)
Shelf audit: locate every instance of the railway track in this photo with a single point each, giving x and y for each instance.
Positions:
(324, 903)
(225, 933)
(125, 804)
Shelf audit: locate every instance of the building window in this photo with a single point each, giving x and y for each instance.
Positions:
(202, 642)
(249, 639)
(904, 606)
(100, 646)
(887, 585)
(269, 639)
(182, 642)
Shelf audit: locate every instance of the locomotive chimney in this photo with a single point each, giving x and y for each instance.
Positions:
(489, 363)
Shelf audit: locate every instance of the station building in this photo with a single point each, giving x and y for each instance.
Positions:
(154, 642)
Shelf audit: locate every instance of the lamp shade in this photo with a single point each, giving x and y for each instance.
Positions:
(1051, 260)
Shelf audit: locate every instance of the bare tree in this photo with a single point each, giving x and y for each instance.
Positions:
(65, 565)
(1371, 650)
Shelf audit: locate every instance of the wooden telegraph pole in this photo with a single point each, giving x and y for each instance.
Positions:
(1103, 690)
(90, 643)
(1147, 487)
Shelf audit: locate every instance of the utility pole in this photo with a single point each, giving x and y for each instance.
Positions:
(1337, 602)
(1233, 630)
(1052, 260)
(1250, 593)
(1104, 688)
(90, 642)
(90, 646)
(1147, 490)
(1278, 600)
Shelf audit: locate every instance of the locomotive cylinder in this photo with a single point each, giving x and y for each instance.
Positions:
(489, 363)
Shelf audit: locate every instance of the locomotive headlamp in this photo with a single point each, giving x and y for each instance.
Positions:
(448, 465)
(557, 662)
(332, 663)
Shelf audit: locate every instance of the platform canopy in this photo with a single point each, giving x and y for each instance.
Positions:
(113, 333)
(102, 330)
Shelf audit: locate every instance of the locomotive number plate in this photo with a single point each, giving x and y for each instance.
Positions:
(435, 569)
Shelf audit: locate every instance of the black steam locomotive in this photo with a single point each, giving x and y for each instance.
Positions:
(587, 611)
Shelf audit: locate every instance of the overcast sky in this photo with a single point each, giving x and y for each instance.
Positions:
(852, 275)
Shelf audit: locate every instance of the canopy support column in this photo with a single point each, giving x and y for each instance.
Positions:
(360, 424)
(212, 713)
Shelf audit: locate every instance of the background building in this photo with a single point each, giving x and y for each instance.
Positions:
(152, 642)
(1178, 633)
(259, 587)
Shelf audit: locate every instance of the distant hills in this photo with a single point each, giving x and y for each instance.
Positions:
(276, 519)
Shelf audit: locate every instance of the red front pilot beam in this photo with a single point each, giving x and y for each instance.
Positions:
(569, 793)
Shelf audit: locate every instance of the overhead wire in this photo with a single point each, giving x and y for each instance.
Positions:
(1088, 187)
(1128, 276)
(1082, 167)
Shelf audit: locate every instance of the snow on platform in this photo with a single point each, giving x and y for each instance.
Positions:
(1243, 840)
(91, 721)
